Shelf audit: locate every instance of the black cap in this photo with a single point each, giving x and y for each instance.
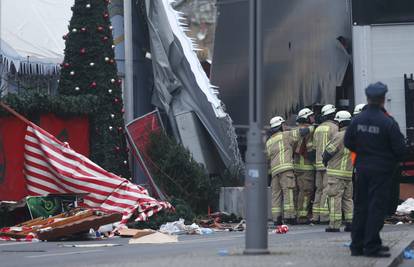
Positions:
(376, 90)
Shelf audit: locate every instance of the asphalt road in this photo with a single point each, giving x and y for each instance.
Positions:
(308, 245)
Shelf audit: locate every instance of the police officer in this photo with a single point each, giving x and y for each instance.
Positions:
(304, 159)
(323, 134)
(379, 145)
(280, 153)
(337, 160)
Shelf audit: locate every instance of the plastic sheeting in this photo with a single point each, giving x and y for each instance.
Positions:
(31, 33)
(303, 60)
(181, 84)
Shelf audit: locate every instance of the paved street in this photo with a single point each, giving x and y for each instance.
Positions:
(302, 246)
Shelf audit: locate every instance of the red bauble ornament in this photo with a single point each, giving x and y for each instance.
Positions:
(119, 81)
(83, 29)
(122, 110)
(99, 28)
(105, 38)
(111, 61)
(82, 51)
(116, 100)
(106, 15)
(66, 65)
(117, 148)
(92, 85)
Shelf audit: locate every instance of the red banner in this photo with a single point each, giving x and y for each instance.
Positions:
(75, 131)
(139, 131)
(12, 181)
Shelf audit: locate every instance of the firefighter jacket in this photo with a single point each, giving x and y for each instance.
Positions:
(321, 137)
(303, 147)
(340, 162)
(279, 149)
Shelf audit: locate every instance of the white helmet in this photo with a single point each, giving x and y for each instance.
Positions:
(276, 121)
(358, 108)
(343, 115)
(304, 113)
(328, 109)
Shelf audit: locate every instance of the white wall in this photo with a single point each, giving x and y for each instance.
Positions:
(384, 53)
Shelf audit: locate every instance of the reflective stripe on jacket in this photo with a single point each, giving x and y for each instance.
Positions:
(280, 153)
(322, 136)
(340, 165)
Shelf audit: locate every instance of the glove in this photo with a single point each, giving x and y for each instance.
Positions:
(325, 158)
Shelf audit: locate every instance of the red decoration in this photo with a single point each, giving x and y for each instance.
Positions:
(117, 148)
(105, 38)
(106, 15)
(120, 129)
(111, 61)
(66, 65)
(119, 81)
(99, 28)
(93, 85)
(83, 29)
(82, 51)
(122, 110)
(116, 100)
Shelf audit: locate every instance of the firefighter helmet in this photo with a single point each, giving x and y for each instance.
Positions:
(358, 108)
(328, 109)
(304, 113)
(342, 115)
(276, 121)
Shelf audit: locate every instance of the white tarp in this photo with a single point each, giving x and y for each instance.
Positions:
(31, 32)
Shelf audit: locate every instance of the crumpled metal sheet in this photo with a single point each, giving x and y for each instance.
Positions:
(303, 60)
(179, 84)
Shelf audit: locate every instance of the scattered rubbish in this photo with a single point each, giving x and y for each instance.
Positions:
(135, 233)
(223, 221)
(406, 207)
(409, 254)
(394, 219)
(154, 238)
(399, 223)
(179, 228)
(89, 245)
(281, 229)
(76, 222)
(223, 252)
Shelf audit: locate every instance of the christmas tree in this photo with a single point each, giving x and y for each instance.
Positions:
(89, 68)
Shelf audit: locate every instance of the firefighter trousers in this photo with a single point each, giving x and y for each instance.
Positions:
(324, 203)
(283, 195)
(306, 184)
(316, 209)
(340, 201)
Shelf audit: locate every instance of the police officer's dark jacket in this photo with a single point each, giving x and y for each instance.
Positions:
(376, 139)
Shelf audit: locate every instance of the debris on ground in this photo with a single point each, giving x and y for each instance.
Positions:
(399, 219)
(154, 238)
(406, 208)
(409, 254)
(179, 228)
(89, 245)
(223, 221)
(76, 222)
(134, 233)
(281, 229)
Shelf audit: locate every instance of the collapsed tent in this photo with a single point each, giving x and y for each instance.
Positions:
(182, 88)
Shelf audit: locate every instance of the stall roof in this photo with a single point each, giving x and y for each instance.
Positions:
(31, 32)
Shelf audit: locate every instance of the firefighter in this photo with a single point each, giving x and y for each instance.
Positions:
(304, 158)
(379, 144)
(337, 160)
(280, 153)
(358, 109)
(322, 135)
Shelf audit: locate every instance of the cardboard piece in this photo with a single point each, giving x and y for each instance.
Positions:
(155, 238)
(135, 233)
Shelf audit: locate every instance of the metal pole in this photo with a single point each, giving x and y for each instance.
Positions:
(256, 170)
(129, 59)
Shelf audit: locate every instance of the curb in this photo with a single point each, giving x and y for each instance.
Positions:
(400, 257)
(394, 261)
